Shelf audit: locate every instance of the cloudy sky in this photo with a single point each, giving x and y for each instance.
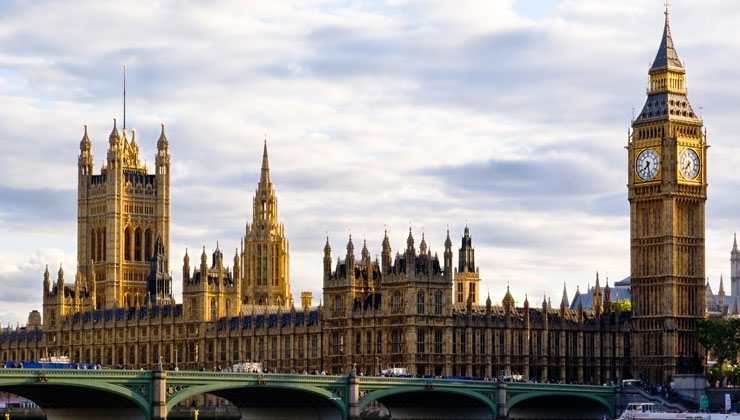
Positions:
(511, 115)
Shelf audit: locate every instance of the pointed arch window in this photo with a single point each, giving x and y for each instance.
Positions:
(420, 303)
(127, 234)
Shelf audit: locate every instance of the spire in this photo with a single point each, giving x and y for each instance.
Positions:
(410, 241)
(327, 247)
(115, 136)
(666, 56)
(265, 175)
(448, 241)
(85, 143)
(734, 242)
(365, 252)
(423, 244)
(350, 246)
(597, 287)
(508, 300)
(386, 242)
(162, 142)
(564, 301)
(721, 285)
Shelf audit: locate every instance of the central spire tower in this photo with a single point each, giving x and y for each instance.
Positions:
(265, 255)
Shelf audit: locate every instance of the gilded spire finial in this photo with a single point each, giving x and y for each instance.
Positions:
(667, 4)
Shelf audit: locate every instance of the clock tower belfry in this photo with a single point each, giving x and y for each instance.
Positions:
(667, 189)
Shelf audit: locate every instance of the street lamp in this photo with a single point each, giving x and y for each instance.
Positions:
(176, 360)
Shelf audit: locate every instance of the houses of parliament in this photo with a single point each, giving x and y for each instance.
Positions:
(409, 308)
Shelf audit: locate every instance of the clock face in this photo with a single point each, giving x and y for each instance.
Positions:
(688, 163)
(647, 164)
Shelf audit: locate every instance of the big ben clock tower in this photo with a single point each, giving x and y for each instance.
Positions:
(667, 172)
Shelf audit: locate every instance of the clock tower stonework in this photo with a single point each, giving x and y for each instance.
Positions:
(667, 189)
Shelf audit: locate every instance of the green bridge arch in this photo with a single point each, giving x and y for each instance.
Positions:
(19, 384)
(193, 390)
(380, 394)
(513, 401)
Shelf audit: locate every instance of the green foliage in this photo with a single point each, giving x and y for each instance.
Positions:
(721, 337)
(623, 305)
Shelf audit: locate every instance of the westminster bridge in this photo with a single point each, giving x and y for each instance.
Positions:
(150, 395)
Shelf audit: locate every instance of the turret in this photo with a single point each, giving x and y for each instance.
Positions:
(185, 267)
(60, 281)
(598, 304)
(607, 297)
(466, 254)
(350, 259)
(85, 161)
(448, 256)
(365, 253)
(386, 255)
(162, 164)
(47, 282)
(410, 250)
(327, 260)
(423, 245)
(508, 301)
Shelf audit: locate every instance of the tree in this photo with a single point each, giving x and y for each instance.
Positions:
(721, 337)
(623, 305)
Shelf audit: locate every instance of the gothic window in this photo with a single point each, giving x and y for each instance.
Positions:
(235, 349)
(396, 341)
(301, 353)
(459, 292)
(127, 244)
(102, 244)
(248, 347)
(420, 344)
(472, 292)
(223, 351)
(438, 303)
(314, 347)
(137, 245)
(93, 244)
(261, 349)
(148, 254)
(396, 302)
(358, 343)
(379, 342)
(338, 305)
(368, 343)
(438, 341)
(288, 348)
(336, 345)
(213, 308)
(463, 339)
(420, 303)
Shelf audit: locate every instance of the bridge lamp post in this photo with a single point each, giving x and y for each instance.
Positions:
(176, 359)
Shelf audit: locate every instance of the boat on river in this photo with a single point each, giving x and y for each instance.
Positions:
(638, 411)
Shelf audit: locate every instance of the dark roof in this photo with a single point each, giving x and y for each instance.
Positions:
(666, 55)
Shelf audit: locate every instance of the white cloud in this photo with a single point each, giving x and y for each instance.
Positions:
(376, 114)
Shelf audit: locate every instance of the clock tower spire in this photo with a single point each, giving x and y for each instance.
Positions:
(667, 189)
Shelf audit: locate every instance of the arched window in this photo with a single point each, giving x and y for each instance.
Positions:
(338, 307)
(137, 245)
(102, 244)
(396, 302)
(93, 244)
(127, 234)
(438, 303)
(213, 308)
(420, 303)
(148, 254)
